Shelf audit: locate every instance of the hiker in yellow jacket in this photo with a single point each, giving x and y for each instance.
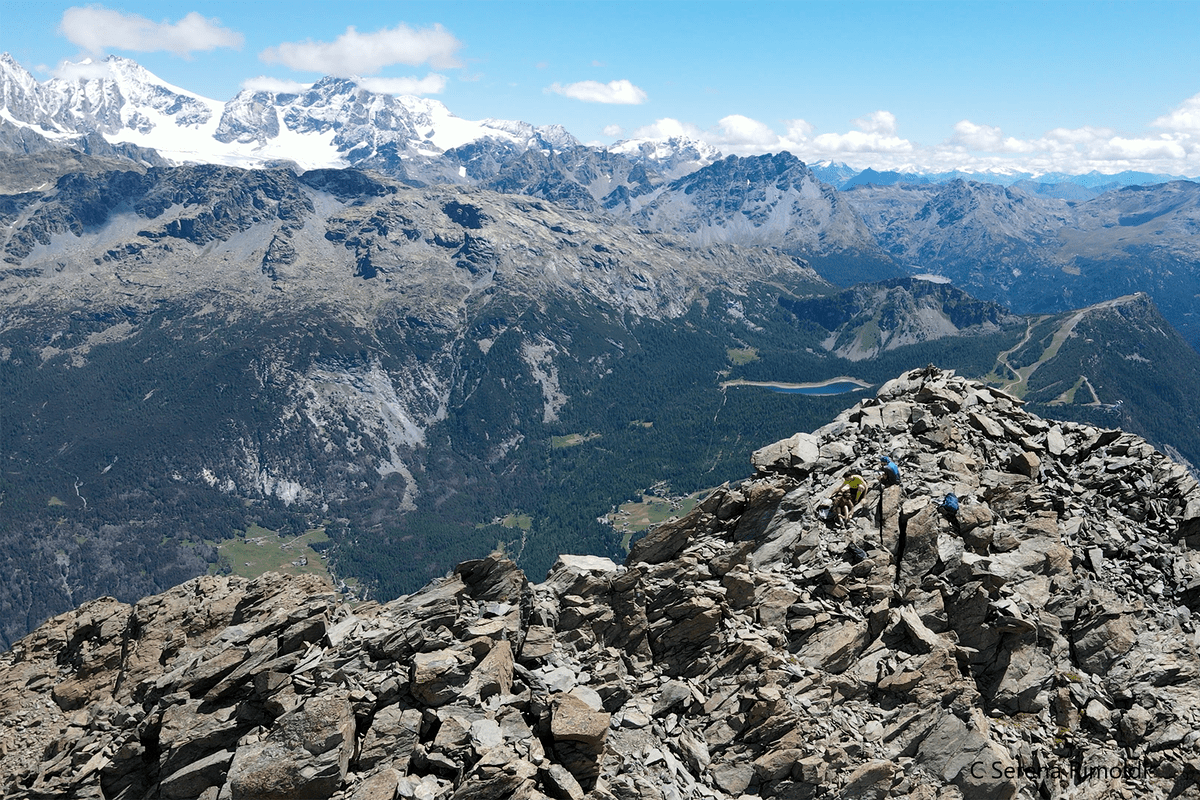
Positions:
(847, 496)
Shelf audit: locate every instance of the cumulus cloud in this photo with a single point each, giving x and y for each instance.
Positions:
(874, 142)
(613, 130)
(1185, 119)
(798, 129)
(880, 122)
(615, 92)
(744, 134)
(836, 144)
(1072, 137)
(97, 29)
(264, 83)
(988, 138)
(355, 53)
(1122, 149)
(430, 84)
(84, 71)
(668, 128)
(735, 134)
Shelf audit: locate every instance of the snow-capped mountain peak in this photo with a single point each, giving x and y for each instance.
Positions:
(118, 96)
(335, 122)
(673, 157)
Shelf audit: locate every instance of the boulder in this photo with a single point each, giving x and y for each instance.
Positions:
(305, 756)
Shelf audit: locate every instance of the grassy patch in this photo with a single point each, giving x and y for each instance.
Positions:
(571, 439)
(870, 336)
(739, 356)
(522, 521)
(261, 550)
(54, 501)
(632, 518)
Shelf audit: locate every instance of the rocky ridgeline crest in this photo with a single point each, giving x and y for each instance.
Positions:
(1040, 646)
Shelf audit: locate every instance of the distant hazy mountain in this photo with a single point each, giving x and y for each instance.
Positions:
(843, 176)
(1044, 254)
(770, 200)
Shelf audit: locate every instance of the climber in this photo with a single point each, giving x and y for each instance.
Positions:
(890, 472)
(949, 506)
(847, 496)
(949, 509)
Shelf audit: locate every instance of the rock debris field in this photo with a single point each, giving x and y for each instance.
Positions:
(1041, 645)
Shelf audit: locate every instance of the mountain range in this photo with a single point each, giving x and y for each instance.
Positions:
(1033, 246)
(449, 336)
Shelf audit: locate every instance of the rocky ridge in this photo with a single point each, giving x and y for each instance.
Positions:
(1040, 646)
(273, 237)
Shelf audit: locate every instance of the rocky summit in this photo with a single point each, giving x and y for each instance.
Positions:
(1037, 644)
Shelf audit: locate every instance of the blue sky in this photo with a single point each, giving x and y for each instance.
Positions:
(1042, 86)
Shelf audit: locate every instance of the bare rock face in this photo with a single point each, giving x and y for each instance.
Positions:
(1039, 643)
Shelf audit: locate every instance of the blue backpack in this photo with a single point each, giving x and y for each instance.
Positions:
(950, 504)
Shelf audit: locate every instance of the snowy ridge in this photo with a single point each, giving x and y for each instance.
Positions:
(333, 123)
(674, 157)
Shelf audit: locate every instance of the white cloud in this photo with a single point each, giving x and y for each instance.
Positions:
(432, 83)
(613, 130)
(1185, 119)
(1076, 136)
(83, 71)
(880, 122)
(97, 29)
(355, 53)
(989, 139)
(798, 129)
(616, 92)
(971, 147)
(737, 134)
(668, 128)
(836, 144)
(1122, 149)
(276, 85)
(743, 133)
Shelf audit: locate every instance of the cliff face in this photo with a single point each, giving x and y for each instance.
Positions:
(1040, 644)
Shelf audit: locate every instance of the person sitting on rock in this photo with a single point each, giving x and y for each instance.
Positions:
(889, 474)
(847, 496)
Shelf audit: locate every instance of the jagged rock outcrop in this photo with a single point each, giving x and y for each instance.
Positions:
(1038, 644)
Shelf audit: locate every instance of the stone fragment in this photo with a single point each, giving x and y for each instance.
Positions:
(573, 720)
(1026, 463)
(305, 756)
(391, 738)
(562, 784)
(538, 644)
(381, 785)
(194, 778)
(494, 674)
(963, 754)
(799, 453)
(437, 676)
(674, 694)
